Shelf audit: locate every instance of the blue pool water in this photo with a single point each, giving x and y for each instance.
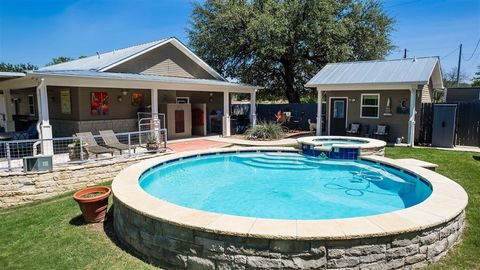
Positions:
(284, 186)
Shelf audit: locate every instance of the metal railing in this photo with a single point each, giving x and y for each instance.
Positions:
(74, 150)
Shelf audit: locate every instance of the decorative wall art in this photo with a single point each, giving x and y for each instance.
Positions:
(99, 103)
(137, 99)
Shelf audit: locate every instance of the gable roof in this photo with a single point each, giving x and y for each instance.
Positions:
(400, 71)
(105, 61)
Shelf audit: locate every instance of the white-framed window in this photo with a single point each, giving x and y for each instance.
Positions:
(370, 106)
(31, 105)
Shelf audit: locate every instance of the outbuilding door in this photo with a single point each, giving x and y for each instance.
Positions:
(338, 116)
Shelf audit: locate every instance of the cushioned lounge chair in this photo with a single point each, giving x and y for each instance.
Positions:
(354, 129)
(92, 146)
(112, 142)
(381, 132)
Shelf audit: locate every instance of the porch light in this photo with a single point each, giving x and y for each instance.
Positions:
(124, 92)
(352, 100)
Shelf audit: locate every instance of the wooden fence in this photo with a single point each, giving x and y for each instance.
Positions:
(467, 130)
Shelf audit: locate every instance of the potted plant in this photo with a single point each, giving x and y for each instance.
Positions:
(152, 143)
(74, 150)
(93, 202)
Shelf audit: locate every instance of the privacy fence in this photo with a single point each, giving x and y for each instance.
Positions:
(467, 124)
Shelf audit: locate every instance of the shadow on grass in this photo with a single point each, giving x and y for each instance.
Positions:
(78, 221)
(477, 158)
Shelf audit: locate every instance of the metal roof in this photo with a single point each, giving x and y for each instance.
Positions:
(408, 70)
(97, 62)
(10, 75)
(140, 77)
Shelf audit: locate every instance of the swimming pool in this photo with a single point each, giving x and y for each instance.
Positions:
(284, 186)
(275, 208)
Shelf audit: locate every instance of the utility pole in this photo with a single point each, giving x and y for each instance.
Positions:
(458, 68)
(405, 53)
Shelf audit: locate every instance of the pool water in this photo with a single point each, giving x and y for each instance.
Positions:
(283, 185)
(330, 142)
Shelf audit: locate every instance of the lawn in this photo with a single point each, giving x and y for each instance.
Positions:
(51, 235)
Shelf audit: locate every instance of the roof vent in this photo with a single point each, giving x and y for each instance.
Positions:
(98, 55)
(414, 59)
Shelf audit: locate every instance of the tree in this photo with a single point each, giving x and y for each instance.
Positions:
(476, 78)
(7, 67)
(59, 60)
(282, 44)
(450, 78)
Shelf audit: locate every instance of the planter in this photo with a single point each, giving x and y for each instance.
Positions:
(153, 146)
(93, 202)
(74, 151)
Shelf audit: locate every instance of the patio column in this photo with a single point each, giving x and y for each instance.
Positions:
(253, 108)
(226, 114)
(319, 112)
(155, 125)
(45, 129)
(9, 123)
(411, 120)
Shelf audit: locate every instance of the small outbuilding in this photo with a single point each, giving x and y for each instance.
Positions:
(463, 94)
(372, 93)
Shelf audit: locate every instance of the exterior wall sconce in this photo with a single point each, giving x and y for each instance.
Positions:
(120, 99)
(352, 99)
(210, 98)
(124, 92)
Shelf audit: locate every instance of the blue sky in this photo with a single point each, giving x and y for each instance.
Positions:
(36, 31)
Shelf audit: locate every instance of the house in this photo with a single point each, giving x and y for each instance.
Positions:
(377, 92)
(109, 90)
(463, 94)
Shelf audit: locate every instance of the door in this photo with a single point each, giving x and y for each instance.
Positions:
(338, 116)
(443, 130)
(199, 119)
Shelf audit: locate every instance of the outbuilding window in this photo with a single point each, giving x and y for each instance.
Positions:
(370, 106)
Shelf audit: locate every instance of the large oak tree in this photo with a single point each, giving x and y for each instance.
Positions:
(280, 44)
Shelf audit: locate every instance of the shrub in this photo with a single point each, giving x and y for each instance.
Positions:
(265, 131)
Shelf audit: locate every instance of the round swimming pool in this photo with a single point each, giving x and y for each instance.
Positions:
(277, 208)
(284, 186)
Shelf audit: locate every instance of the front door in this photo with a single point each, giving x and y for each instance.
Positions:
(338, 116)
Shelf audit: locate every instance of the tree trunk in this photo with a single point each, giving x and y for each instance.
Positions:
(289, 79)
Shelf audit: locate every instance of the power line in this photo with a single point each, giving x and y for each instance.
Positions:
(471, 56)
(450, 53)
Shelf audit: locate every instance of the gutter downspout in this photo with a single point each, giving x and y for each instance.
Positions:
(39, 122)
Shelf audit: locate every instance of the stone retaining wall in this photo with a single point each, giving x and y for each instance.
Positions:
(19, 188)
(175, 247)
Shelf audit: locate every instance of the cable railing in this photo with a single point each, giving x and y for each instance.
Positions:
(14, 155)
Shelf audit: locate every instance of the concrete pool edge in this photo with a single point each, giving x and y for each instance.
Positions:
(173, 236)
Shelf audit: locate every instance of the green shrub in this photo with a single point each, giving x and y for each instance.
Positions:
(265, 131)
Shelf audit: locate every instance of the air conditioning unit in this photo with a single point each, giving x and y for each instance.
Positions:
(37, 163)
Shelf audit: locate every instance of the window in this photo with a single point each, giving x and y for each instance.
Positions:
(370, 106)
(339, 109)
(31, 105)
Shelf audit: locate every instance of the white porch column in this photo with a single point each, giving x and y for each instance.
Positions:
(253, 108)
(226, 114)
(45, 132)
(155, 125)
(411, 120)
(9, 123)
(319, 112)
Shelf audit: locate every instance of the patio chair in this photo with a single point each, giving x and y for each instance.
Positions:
(354, 129)
(381, 132)
(111, 141)
(92, 146)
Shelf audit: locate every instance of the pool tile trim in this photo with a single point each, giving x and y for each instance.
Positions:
(448, 199)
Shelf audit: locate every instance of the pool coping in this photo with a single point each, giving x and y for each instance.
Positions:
(448, 200)
(370, 143)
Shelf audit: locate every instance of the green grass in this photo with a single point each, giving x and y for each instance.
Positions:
(50, 234)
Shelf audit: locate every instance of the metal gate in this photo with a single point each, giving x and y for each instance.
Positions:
(468, 124)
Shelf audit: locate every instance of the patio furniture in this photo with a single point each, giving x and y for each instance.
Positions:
(354, 129)
(381, 132)
(92, 146)
(111, 141)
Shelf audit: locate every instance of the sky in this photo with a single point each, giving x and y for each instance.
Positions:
(36, 31)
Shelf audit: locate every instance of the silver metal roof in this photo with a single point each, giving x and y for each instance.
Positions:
(10, 75)
(409, 70)
(140, 77)
(104, 59)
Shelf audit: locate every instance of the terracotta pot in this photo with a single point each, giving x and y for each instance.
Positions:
(94, 207)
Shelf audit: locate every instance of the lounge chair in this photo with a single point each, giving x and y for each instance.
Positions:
(354, 129)
(112, 142)
(92, 146)
(381, 132)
